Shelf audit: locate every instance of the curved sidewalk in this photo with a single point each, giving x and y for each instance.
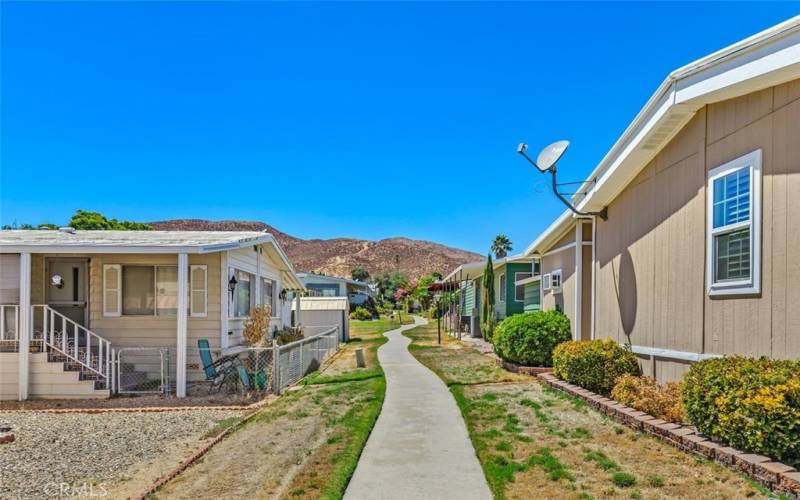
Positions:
(419, 448)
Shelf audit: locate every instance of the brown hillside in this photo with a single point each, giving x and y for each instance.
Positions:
(339, 256)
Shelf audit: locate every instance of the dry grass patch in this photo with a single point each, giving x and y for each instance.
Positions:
(455, 362)
(305, 445)
(532, 438)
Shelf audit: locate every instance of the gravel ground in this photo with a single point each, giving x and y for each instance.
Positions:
(97, 449)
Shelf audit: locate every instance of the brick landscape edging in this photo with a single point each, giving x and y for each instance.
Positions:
(524, 370)
(774, 475)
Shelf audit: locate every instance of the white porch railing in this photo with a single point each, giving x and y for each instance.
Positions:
(78, 344)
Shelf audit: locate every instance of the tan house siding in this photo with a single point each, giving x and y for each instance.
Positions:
(651, 253)
(565, 300)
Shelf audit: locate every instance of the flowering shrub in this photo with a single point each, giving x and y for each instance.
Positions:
(529, 339)
(593, 364)
(647, 395)
(752, 404)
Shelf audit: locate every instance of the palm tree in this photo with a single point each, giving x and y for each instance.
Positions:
(501, 245)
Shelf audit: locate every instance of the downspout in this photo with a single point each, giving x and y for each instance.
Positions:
(594, 275)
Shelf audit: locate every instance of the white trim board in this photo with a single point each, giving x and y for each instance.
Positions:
(671, 354)
(560, 249)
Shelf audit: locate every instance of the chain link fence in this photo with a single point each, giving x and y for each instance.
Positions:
(240, 369)
(296, 359)
(144, 370)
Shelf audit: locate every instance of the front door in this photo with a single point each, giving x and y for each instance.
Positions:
(66, 288)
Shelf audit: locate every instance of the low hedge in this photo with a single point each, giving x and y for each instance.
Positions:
(529, 339)
(594, 364)
(751, 404)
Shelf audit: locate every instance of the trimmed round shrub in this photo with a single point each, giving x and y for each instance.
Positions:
(751, 404)
(529, 339)
(594, 364)
(645, 394)
(361, 313)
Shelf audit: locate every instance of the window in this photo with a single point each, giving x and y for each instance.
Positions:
(151, 290)
(502, 288)
(138, 291)
(166, 291)
(537, 267)
(519, 290)
(323, 290)
(268, 293)
(546, 282)
(555, 281)
(242, 295)
(734, 226)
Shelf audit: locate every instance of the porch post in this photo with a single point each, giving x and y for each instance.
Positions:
(24, 333)
(180, 357)
(297, 309)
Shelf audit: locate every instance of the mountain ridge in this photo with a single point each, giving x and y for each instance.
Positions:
(338, 256)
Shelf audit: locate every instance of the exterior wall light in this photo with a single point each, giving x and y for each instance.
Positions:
(232, 284)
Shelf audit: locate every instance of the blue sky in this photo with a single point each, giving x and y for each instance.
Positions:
(368, 120)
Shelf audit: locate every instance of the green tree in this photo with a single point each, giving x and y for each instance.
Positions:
(95, 220)
(437, 275)
(388, 283)
(487, 302)
(421, 293)
(501, 245)
(359, 274)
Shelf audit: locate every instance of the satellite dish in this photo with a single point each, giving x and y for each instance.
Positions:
(550, 155)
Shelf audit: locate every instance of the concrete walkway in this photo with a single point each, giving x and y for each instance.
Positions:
(419, 448)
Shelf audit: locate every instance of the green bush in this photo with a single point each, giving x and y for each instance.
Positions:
(529, 339)
(751, 404)
(594, 364)
(361, 313)
(623, 479)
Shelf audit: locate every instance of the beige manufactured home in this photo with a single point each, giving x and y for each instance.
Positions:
(71, 302)
(700, 254)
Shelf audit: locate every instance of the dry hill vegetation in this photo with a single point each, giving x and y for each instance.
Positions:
(338, 256)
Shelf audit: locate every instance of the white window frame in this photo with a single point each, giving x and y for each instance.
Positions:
(254, 282)
(502, 284)
(556, 273)
(520, 287)
(752, 285)
(118, 312)
(546, 282)
(272, 303)
(192, 290)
